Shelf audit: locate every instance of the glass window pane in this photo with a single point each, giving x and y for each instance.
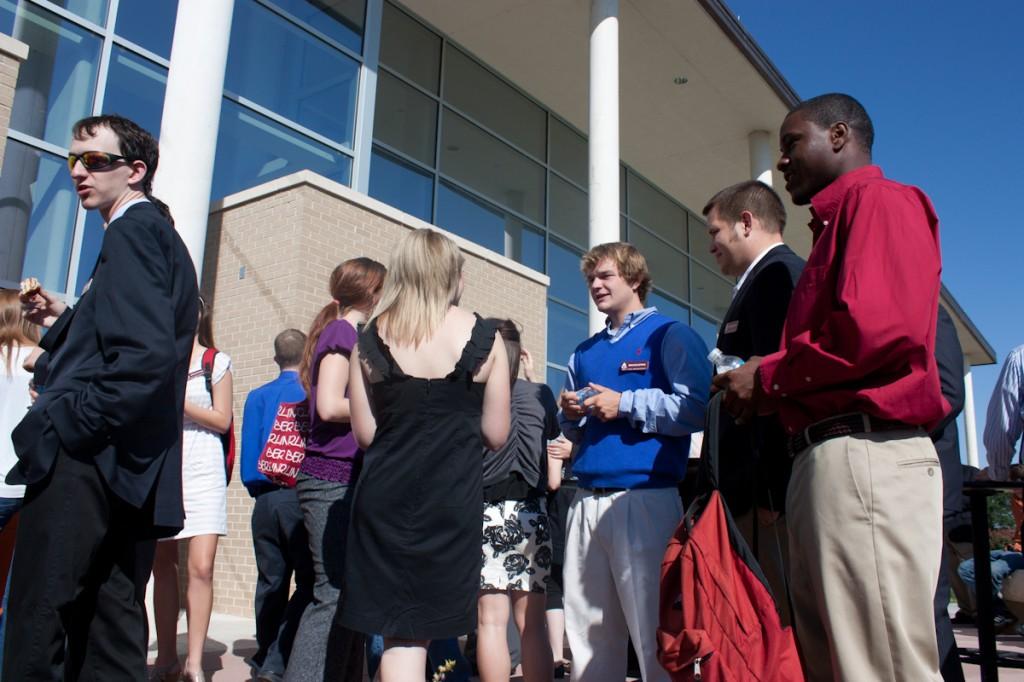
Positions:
(524, 244)
(668, 307)
(668, 267)
(567, 283)
(566, 329)
(252, 149)
(567, 213)
(93, 10)
(37, 216)
(281, 67)
(700, 242)
(711, 293)
(622, 189)
(57, 82)
(410, 48)
(556, 379)
(405, 118)
(149, 24)
(92, 240)
(470, 218)
(340, 20)
(401, 185)
(484, 163)
(706, 329)
(493, 102)
(568, 152)
(135, 89)
(655, 211)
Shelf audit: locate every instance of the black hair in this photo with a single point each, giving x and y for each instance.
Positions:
(829, 109)
(512, 338)
(136, 145)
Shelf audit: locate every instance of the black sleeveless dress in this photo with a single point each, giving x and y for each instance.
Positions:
(412, 567)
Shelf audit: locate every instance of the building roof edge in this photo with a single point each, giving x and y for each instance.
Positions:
(727, 21)
(947, 299)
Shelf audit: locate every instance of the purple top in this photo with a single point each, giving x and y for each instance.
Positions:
(331, 450)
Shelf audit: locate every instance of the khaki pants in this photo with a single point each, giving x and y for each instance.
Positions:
(614, 546)
(772, 555)
(865, 532)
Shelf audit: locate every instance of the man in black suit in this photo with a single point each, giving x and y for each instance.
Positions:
(100, 450)
(949, 357)
(745, 223)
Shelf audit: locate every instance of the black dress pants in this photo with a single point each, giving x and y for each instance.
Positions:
(949, 656)
(281, 547)
(76, 608)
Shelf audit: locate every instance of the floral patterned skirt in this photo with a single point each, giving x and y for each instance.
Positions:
(516, 546)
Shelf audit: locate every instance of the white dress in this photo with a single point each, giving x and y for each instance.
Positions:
(14, 402)
(203, 479)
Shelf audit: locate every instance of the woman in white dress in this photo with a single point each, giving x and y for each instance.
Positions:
(204, 491)
(18, 348)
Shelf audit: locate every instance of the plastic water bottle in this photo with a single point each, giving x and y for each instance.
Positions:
(722, 362)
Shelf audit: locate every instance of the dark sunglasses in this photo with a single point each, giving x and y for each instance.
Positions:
(93, 161)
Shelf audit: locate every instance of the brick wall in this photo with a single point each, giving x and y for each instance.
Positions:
(269, 253)
(12, 54)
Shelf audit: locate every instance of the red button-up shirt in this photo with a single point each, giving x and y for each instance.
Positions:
(860, 331)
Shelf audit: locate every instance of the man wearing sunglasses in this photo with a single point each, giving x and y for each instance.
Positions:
(100, 450)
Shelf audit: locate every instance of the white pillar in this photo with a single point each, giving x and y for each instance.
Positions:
(604, 130)
(762, 156)
(970, 426)
(188, 128)
(367, 101)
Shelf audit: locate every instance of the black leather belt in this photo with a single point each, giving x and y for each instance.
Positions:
(843, 425)
(605, 491)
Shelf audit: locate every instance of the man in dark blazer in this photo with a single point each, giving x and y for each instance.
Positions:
(949, 357)
(100, 450)
(745, 224)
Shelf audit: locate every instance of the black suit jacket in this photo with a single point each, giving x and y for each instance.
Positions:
(950, 359)
(754, 463)
(117, 367)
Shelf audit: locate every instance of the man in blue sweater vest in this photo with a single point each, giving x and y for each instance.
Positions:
(278, 534)
(649, 379)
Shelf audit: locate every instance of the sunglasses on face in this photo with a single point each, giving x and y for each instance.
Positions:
(93, 161)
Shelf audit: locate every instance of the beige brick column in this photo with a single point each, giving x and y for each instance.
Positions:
(269, 253)
(12, 54)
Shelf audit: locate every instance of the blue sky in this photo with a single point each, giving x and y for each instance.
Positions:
(944, 84)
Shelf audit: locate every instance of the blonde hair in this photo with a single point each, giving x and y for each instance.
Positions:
(15, 330)
(421, 284)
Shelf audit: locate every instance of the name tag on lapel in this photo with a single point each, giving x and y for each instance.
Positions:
(634, 366)
(731, 327)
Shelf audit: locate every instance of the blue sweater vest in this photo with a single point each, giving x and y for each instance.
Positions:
(616, 454)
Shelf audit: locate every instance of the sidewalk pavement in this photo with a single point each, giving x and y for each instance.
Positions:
(233, 638)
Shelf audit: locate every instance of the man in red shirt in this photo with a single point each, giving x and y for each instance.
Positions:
(856, 387)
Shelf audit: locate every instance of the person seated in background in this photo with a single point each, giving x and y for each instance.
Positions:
(1003, 562)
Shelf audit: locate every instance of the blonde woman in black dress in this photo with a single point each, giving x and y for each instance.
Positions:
(429, 390)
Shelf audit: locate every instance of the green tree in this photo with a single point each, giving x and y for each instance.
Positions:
(1000, 520)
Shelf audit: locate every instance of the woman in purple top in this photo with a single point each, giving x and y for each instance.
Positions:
(329, 470)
